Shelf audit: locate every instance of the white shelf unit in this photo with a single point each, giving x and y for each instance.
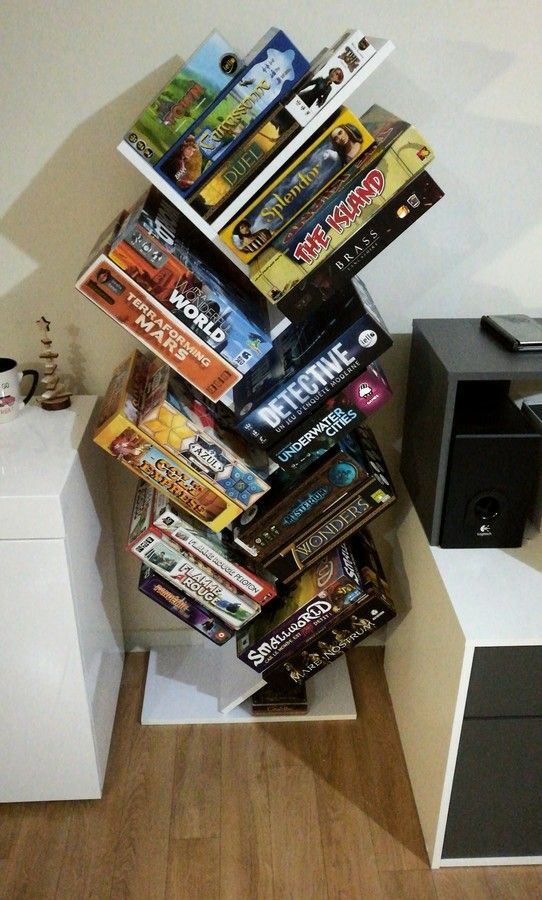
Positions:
(210, 230)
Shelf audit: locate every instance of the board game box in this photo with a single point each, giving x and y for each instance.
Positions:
(387, 224)
(352, 624)
(332, 421)
(269, 77)
(173, 417)
(297, 500)
(210, 590)
(359, 507)
(124, 301)
(334, 148)
(153, 247)
(302, 376)
(203, 77)
(280, 698)
(117, 432)
(154, 514)
(299, 613)
(185, 608)
(341, 63)
(399, 153)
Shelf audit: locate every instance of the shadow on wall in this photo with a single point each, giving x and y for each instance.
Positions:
(56, 222)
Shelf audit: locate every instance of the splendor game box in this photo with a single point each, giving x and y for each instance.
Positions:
(172, 415)
(333, 149)
(197, 84)
(154, 514)
(399, 153)
(318, 596)
(208, 588)
(153, 247)
(308, 364)
(359, 506)
(185, 608)
(117, 432)
(341, 63)
(272, 72)
(333, 420)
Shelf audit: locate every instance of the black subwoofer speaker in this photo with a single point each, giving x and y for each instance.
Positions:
(492, 475)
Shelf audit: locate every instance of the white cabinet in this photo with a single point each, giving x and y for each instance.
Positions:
(61, 648)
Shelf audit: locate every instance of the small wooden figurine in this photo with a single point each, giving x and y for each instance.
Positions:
(55, 396)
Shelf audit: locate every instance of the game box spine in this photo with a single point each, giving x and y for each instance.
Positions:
(337, 365)
(389, 222)
(204, 77)
(167, 559)
(333, 150)
(134, 309)
(330, 586)
(183, 607)
(265, 81)
(331, 422)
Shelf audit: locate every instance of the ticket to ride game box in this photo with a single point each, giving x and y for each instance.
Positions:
(132, 307)
(184, 607)
(152, 245)
(153, 513)
(273, 71)
(399, 153)
(197, 84)
(334, 148)
(117, 432)
(208, 588)
(364, 501)
(171, 415)
(319, 595)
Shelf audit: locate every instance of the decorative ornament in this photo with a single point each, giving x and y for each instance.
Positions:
(55, 395)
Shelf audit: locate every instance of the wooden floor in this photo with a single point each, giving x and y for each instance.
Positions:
(301, 810)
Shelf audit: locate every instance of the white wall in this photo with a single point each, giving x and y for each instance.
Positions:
(76, 74)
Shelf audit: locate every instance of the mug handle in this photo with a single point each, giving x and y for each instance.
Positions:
(35, 377)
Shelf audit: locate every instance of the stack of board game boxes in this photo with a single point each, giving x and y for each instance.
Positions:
(257, 471)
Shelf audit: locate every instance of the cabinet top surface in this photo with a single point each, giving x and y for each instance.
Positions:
(38, 448)
(468, 352)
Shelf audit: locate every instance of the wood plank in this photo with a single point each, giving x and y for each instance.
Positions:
(396, 832)
(193, 871)
(411, 885)
(89, 861)
(31, 872)
(296, 840)
(246, 863)
(197, 783)
(462, 884)
(515, 882)
(349, 857)
(11, 818)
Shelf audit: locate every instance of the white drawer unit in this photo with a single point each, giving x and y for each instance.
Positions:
(61, 648)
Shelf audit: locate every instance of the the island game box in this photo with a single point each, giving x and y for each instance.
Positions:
(333, 149)
(213, 593)
(299, 613)
(333, 420)
(205, 76)
(154, 514)
(341, 63)
(117, 432)
(172, 415)
(185, 608)
(271, 74)
(399, 153)
(388, 223)
(153, 247)
(308, 364)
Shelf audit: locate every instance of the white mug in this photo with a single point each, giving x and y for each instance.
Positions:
(11, 399)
